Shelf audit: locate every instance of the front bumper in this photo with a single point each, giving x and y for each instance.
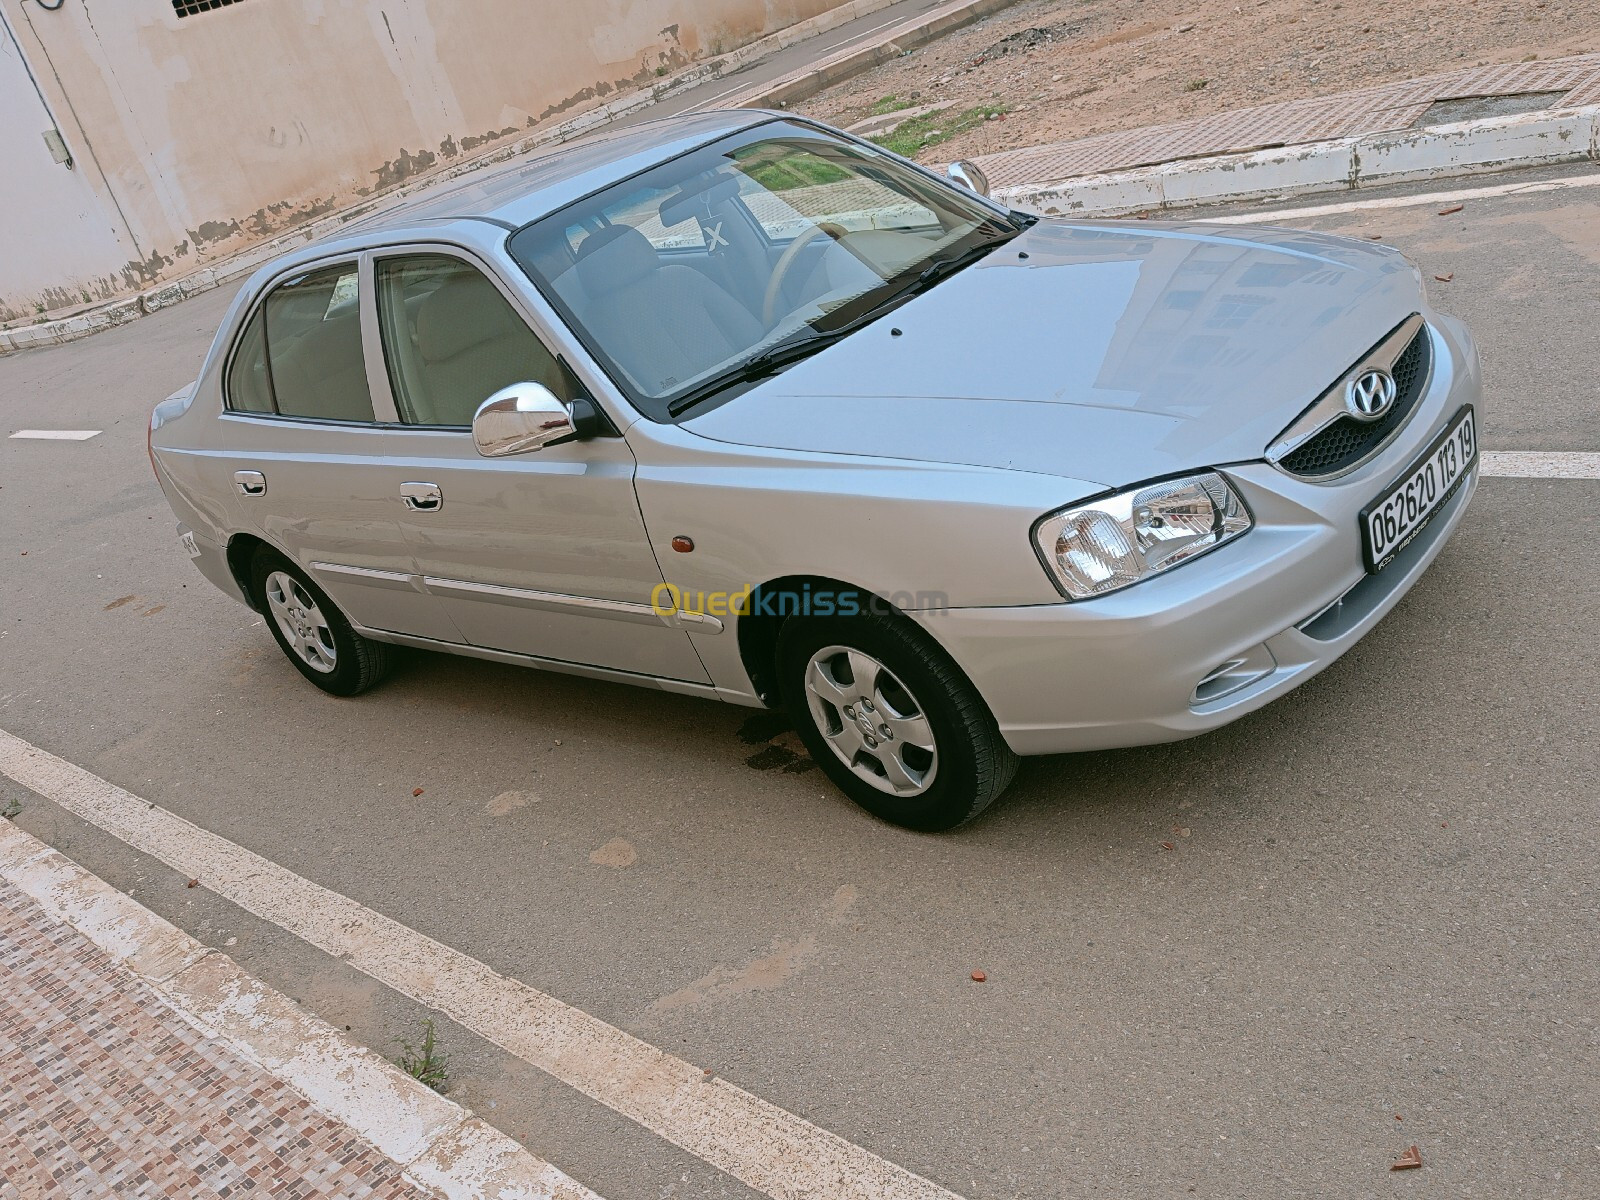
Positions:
(1284, 601)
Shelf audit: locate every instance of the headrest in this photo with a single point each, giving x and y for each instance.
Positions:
(614, 258)
(691, 200)
(464, 312)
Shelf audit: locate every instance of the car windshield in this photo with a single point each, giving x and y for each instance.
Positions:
(709, 271)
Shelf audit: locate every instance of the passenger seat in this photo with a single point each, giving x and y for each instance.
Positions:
(321, 373)
(471, 343)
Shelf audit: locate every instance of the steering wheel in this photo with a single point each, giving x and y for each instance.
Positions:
(786, 261)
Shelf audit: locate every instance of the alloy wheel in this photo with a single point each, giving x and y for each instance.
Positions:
(301, 622)
(871, 721)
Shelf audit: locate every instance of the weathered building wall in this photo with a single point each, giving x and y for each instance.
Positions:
(57, 243)
(198, 135)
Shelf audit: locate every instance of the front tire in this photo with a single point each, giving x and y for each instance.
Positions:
(311, 631)
(892, 719)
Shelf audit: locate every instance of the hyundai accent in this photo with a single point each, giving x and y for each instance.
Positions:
(739, 406)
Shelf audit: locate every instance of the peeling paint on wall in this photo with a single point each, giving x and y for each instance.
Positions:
(469, 144)
(398, 170)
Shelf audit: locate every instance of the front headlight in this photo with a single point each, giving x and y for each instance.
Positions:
(1107, 544)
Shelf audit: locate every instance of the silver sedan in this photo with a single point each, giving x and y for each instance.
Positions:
(741, 407)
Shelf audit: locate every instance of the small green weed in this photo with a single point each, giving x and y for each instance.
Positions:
(425, 1066)
(921, 132)
(1194, 85)
(888, 104)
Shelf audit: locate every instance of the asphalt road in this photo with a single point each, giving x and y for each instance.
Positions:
(1377, 926)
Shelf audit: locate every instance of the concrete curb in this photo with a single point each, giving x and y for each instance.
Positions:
(895, 41)
(440, 1145)
(1399, 156)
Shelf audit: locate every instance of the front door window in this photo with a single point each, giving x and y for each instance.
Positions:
(452, 340)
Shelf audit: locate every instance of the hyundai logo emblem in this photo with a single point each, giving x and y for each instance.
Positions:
(1370, 395)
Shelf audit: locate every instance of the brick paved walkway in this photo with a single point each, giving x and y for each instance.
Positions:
(1371, 110)
(106, 1091)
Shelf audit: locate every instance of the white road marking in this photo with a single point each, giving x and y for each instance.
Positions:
(1540, 464)
(57, 435)
(1380, 203)
(436, 1142)
(710, 102)
(830, 52)
(763, 1146)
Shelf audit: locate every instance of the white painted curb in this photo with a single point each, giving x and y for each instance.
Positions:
(440, 1145)
(768, 1149)
(1437, 152)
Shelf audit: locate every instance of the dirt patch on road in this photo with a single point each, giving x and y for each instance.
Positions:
(618, 852)
(1064, 69)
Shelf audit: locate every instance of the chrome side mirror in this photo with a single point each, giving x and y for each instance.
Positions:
(521, 418)
(969, 176)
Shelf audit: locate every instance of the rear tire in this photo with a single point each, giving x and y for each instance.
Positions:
(311, 631)
(892, 720)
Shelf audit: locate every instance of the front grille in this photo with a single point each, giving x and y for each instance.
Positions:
(1346, 441)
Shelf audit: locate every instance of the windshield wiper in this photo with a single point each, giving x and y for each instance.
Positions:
(941, 267)
(757, 366)
(932, 273)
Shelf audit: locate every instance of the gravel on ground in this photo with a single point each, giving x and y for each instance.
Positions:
(1055, 70)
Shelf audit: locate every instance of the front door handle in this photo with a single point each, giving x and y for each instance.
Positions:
(250, 483)
(422, 497)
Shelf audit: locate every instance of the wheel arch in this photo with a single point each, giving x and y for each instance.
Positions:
(758, 631)
(242, 549)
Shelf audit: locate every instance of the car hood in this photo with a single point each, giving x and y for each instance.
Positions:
(1109, 352)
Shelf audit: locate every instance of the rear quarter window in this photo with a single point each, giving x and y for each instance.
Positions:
(249, 388)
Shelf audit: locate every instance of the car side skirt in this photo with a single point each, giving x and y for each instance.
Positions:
(678, 686)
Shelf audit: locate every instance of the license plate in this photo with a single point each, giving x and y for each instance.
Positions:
(1390, 522)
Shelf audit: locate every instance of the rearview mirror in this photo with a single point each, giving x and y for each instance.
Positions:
(968, 175)
(522, 418)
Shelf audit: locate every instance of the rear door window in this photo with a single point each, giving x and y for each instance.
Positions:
(301, 354)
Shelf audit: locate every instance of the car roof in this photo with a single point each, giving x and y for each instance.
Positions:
(526, 189)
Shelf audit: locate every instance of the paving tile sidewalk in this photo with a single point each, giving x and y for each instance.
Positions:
(107, 1091)
(1391, 106)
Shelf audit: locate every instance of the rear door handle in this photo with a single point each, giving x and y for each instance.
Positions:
(250, 483)
(422, 497)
